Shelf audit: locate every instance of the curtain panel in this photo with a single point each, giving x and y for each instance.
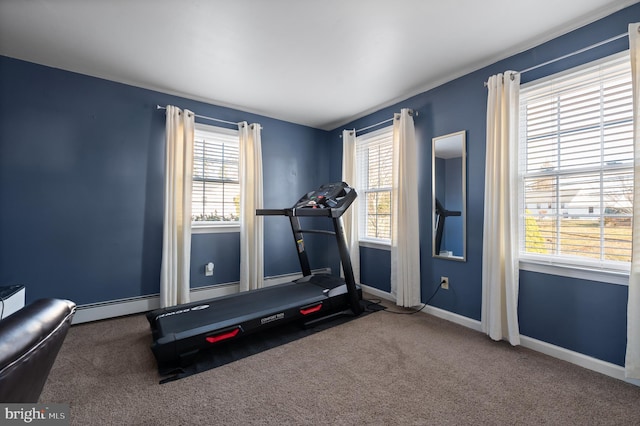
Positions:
(632, 358)
(499, 317)
(176, 239)
(251, 197)
(405, 235)
(350, 217)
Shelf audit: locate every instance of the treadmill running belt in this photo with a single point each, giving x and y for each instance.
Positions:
(227, 311)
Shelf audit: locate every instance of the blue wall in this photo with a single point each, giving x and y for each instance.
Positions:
(584, 316)
(81, 190)
(81, 186)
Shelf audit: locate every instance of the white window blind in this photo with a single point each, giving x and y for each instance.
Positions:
(374, 183)
(576, 166)
(216, 186)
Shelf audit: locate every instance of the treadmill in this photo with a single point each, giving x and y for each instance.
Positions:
(180, 332)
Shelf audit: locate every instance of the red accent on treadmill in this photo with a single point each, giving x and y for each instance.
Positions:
(312, 309)
(223, 336)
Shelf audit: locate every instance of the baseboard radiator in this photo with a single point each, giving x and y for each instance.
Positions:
(136, 305)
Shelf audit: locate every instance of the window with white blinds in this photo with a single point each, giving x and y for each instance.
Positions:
(216, 185)
(374, 175)
(576, 166)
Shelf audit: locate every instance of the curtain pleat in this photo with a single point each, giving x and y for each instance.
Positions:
(251, 225)
(632, 358)
(176, 241)
(499, 315)
(405, 232)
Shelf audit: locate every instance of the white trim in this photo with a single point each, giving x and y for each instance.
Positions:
(581, 360)
(604, 276)
(380, 138)
(436, 312)
(590, 363)
(455, 318)
(136, 305)
(375, 244)
(377, 293)
(589, 75)
(214, 228)
(210, 128)
(204, 135)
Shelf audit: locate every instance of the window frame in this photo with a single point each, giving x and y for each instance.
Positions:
(211, 227)
(614, 272)
(363, 240)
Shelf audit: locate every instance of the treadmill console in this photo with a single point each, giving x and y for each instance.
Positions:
(331, 195)
(331, 199)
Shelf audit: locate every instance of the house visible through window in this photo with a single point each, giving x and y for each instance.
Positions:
(216, 186)
(576, 151)
(374, 164)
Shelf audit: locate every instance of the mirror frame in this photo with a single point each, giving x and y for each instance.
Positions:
(463, 135)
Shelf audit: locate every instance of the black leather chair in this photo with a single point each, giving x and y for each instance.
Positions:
(29, 343)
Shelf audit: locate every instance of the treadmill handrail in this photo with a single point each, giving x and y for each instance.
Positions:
(270, 212)
(302, 209)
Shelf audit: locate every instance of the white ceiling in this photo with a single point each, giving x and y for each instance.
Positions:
(320, 63)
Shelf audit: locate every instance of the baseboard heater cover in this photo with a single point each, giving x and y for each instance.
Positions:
(135, 305)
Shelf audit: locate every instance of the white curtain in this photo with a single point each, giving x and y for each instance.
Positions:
(251, 226)
(405, 232)
(350, 217)
(499, 316)
(632, 361)
(176, 241)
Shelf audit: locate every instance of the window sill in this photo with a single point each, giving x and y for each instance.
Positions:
(375, 245)
(610, 276)
(214, 228)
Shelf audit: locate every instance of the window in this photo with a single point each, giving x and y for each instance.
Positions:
(576, 153)
(374, 164)
(216, 185)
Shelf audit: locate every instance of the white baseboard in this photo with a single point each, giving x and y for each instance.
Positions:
(377, 293)
(136, 305)
(455, 318)
(594, 364)
(436, 312)
(590, 363)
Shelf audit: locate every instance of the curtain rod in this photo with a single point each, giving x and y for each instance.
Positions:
(374, 125)
(568, 55)
(577, 52)
(411, 112)
(206, 118)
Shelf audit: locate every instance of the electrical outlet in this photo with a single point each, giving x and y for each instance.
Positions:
(444, 283)
(208, 269)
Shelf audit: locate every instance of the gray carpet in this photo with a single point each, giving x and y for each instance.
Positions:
(380, 369)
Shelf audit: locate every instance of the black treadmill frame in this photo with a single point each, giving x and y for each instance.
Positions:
(317, 296)
(293, 213)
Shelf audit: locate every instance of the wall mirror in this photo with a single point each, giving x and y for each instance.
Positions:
(449, 196)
